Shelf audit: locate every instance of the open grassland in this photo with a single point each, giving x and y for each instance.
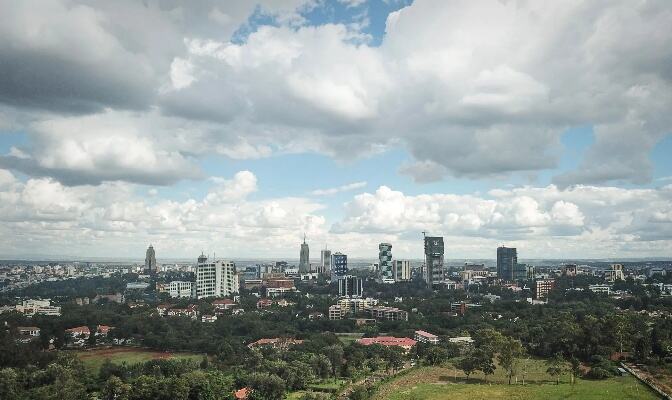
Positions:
(93, 359)
(439, 383)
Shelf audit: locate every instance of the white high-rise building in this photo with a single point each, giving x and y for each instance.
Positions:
(401, 269)
(180, 288)
(216, 279)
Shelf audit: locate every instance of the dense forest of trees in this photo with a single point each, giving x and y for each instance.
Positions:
(575, 327)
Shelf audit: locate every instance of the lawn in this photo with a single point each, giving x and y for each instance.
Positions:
(439, 383)
(93, 359)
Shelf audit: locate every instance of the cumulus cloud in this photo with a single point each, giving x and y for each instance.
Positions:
(338, 189)
(578, 218)
(114, 218)
(484, 89)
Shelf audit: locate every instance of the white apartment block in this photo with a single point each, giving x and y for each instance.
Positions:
(180, 288)
(216, 279)
(44, 307)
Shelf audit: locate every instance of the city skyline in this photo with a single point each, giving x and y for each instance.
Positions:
(238, 127)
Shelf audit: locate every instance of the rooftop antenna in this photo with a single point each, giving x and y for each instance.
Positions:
(304, 237)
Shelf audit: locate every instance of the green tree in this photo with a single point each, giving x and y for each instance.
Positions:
(436, 355)
(335, 355)
(115, 389)
(266, 387)
(555, 366)
(510, 351)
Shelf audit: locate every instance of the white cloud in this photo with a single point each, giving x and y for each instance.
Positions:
(591, 221)
(334, 190)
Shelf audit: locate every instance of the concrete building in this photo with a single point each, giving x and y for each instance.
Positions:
(180, 289)
(615, 273)
(542, 287)
(43, 307)
(426, 337)
(507, 259)
(304, 257)
(150, 260)
(600, 289)
(385, 270)
(388, 313)
(350, 286)
(339, 264)
(433, 270)
(216, 279)
(401, 270)
(569, 270)
(325, 263)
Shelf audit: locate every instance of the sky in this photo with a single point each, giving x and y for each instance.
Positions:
(235, 127)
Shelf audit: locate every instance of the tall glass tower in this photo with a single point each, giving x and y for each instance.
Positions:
(507, 260)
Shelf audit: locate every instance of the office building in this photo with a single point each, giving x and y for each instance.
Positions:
(615, 273)
(401, 270)
(339, 264)
(350, 286)
(180, 288)
(150, 260)
(385, 263)
(216, 279)
(304, 257)
(434, 251)
(507, 259)
(325, 262)
(542, 288)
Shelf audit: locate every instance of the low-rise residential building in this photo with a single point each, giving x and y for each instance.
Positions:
(461, 340)
(426, 337)
(276, 343)
(404, 343)
(264, 303)
(43, 307)
(79, 332)
(600, 289)
(336, 312)
(191, 311)
(28, 332)
(208, 318)
(103, 330)
(223, 304)
(388, 313)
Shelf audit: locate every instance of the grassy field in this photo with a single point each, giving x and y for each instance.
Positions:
(439, 383)
(93, 359)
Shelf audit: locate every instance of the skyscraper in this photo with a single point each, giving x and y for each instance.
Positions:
(216, 279)
(304, 257)
(325, 262)
(433, 272)
(150, 260)
(401, 270)
(202, 258)
(350, 286)
(507, 260)
(385, 263)
(339, 263)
